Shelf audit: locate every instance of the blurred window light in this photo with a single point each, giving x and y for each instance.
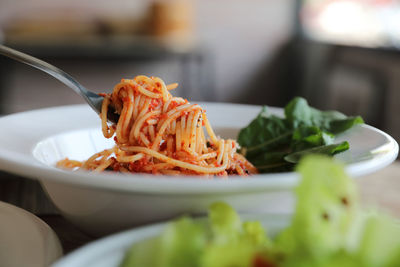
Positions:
(367, 23)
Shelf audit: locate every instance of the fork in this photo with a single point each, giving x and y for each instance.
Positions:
(94, 100)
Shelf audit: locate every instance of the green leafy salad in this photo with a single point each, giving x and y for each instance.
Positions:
(276, 144)
(328, 228)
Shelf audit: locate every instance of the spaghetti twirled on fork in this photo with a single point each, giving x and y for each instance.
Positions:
(160, 134)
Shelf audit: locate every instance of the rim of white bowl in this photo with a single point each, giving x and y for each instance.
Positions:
(27, 165)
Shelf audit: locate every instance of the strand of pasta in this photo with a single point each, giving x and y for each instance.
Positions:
(108, 132)
(179, 163)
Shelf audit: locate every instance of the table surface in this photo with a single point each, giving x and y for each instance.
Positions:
(380, 189)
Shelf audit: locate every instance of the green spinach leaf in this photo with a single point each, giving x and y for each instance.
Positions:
(274, 144)
(299, 113)
(338, 126)
(329, 150)
(264, 132)
(311, 136)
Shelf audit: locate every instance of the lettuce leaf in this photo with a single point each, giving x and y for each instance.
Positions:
(326, 207)
(181, 244)
(380, 241)
(222, 241)
(327, 229)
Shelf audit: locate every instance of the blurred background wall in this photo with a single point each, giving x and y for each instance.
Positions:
(339, 54)
(232, 40)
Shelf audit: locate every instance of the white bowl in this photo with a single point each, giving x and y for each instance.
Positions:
(107, 202)
(110, 251)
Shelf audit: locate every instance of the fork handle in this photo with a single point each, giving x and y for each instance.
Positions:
(93, 99)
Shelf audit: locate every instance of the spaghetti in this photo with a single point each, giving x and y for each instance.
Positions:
(160, 134)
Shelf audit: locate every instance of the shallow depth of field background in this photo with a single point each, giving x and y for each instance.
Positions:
(339, 54)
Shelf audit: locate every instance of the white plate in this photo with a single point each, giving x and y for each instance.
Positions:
(99, 203)
(25, 240)
(109, 251)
